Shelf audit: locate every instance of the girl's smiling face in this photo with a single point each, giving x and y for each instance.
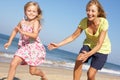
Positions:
(92, 12)
(31, 12)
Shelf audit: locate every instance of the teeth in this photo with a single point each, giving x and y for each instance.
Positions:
(90, 16)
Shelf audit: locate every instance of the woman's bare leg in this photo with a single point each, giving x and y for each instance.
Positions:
(38, 72)
(77, 70)
(13, 65)
(91, 73)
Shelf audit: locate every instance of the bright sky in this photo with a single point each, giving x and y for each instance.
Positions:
(60, 19)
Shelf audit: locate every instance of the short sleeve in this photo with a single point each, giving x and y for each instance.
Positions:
(104, 25)
(83, 23)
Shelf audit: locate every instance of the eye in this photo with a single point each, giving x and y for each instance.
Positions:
(34, 11)
(28, 10)
(88, 10)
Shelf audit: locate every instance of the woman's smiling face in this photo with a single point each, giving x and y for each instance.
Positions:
(92, 12)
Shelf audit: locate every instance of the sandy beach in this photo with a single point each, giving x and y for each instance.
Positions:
(22, 73)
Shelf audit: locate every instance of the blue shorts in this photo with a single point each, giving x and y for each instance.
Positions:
(97, 60)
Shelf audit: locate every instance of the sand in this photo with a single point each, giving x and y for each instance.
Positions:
(52, 73)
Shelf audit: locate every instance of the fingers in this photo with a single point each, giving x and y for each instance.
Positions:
(6, 46)
(82, 56)
(52, 46)
(49, 47)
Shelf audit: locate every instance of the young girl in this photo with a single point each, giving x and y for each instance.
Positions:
(96, 46)
(30, 49)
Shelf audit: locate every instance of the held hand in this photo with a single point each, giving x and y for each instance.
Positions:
(83, 56)
(6, 45)
(52, 46)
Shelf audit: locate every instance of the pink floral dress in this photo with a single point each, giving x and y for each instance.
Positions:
(31, 51)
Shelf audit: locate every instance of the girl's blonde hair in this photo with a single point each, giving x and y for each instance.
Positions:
(99, 6)
(39, 17)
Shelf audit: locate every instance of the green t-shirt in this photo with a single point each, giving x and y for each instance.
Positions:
(91, 40)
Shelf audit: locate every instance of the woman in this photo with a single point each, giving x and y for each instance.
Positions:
(96, 46)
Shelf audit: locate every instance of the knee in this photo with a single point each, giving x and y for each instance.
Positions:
(91, 76)
(78, 65)
(32, 72)
(13, 63)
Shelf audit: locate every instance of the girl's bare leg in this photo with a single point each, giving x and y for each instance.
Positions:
(13, 65)
(34, 71)
(91, 73)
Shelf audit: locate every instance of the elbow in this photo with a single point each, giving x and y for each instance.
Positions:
(73, 37)
(35, 36)
(15, 29)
